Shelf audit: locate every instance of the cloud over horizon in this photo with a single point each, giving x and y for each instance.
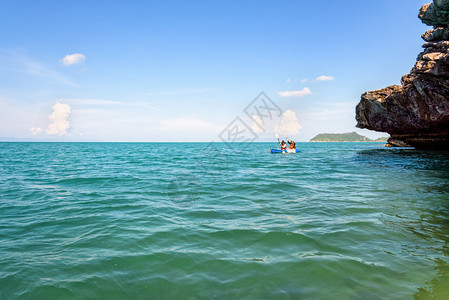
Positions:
(301, 93)
(289, 123)
(73, 59)
(59, 119)
(35, 130)
(324, 78)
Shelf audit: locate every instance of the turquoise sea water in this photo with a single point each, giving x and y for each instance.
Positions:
(194, 221)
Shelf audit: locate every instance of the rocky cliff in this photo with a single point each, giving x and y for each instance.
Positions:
(416, 113)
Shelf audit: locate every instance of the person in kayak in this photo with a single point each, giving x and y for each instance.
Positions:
(292, 144)
(283, 146)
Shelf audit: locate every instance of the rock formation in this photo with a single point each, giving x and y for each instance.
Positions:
(416, 113)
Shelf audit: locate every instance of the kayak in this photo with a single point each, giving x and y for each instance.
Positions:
(285, 151)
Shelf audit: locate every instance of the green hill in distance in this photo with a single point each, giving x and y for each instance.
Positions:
(345, 137)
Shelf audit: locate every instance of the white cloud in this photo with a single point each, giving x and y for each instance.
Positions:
(303, 80)
(186, 124)
(324, 78)
(73, 59)
(289, 123)
(35, 130)
(301, 93)
(59, 119)
(289, 80)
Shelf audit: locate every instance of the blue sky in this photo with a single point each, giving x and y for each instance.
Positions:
(182, 71)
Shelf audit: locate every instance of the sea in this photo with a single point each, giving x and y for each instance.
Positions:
(222, 221)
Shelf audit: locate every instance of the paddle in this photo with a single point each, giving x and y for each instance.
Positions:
(286, 138)
(277, 136)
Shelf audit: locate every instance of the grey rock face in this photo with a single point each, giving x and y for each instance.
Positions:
(437, 34)
(435, 15)
(442, 4)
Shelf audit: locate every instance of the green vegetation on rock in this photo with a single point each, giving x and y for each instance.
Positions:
(345, 137)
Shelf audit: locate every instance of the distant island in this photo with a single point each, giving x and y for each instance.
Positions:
(345, 137)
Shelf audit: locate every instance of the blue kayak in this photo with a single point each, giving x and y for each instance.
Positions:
(285, 151)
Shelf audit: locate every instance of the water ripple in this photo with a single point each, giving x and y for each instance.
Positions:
(126, 221)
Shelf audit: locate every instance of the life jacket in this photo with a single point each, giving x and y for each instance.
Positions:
(284, 147)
